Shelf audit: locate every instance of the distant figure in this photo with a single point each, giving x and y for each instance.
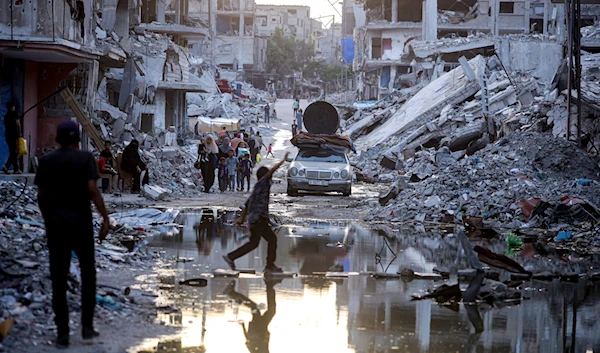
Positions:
(66, 181)
(12, 132)
(223, 132)
(246, 167)
(223, 174)
(232, 164)
(267, 113)
(296, 105)
(105, 167)
(294, 128)
(207, 151)
(299, 118)
(270, 150)
(132, 163)
(257, 210)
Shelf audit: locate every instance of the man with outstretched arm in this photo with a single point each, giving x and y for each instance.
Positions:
(257, 211)
(66, 181)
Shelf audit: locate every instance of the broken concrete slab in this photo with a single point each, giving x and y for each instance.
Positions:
(451, 88)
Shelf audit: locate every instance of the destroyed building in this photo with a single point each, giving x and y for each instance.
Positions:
(42, 52)
(398, 43)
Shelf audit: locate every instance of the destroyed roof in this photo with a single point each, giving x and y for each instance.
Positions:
(424, 49)
(174, 29)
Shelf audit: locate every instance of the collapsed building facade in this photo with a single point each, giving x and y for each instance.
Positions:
(398, 43)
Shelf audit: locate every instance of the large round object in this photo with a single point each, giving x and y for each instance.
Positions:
(321, 118)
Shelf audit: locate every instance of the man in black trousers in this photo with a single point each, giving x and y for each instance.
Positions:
(66, 181)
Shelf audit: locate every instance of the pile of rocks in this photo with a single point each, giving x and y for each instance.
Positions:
(490, 183)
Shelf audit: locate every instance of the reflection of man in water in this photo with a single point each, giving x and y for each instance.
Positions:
(257, 335)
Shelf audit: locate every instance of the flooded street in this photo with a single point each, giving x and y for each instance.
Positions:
(314, 313)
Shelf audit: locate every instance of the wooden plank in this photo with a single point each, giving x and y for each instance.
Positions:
(83, 118)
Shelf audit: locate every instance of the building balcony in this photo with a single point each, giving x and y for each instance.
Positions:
(48, 28)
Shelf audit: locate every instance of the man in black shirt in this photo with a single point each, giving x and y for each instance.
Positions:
(12, 132)
(257, 210)
(66, 181)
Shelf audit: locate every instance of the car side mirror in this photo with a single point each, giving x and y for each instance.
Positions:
(289, 159)
(353, 164)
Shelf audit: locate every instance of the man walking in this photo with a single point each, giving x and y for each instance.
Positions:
(66, 181)
(132, 163)
(257, 210)
(12, 132)
(267, 112)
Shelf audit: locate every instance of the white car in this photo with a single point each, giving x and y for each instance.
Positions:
(320, 170)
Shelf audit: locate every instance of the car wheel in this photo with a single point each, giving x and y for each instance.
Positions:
(347, 192)
(291, 191)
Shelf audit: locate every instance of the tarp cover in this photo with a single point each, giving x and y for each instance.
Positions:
(149, 219)
(304, 139)
(216, 124)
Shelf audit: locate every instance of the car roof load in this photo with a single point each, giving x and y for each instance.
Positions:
(321, 118)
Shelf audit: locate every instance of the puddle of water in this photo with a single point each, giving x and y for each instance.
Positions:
(357, 314)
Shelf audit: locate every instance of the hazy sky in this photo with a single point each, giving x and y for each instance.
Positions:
(317, 7)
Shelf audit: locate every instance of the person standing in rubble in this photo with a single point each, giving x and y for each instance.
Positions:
(299, 118)
(267, 113)
(208, 163)
(12, 132)
(257, 211)
(66, 181)
(296, 105)
(132, 163)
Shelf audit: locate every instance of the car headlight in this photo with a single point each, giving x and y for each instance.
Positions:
(301, 172)
(345, 174)
(336, 175)
(294, 171)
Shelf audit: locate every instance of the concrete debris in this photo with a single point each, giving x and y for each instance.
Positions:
(24, 269)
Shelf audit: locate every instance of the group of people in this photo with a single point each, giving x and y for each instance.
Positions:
(233, 159)
(131, 163)
(299, 118)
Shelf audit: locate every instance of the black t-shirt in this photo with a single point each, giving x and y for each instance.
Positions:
(64, 176)
(10, 125)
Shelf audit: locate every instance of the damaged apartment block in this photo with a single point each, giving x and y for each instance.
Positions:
(399, 43)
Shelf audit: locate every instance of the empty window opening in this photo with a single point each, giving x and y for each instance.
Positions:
(146, 123)
(507, 7)
(408, 12)
(376, 48)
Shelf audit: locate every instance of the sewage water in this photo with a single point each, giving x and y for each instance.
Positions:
(311, 313)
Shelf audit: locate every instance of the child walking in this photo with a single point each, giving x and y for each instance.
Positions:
(240, 173)
(270, 150)
(257, 210)
(232, 163)
(223, 174)
(246, 167)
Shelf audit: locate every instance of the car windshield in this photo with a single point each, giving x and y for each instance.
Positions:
(315, 155)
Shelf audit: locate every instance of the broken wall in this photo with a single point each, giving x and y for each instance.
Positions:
(538, 58)
(48, 19)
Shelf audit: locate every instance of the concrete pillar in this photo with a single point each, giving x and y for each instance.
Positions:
(561, 25)
(429, 22)
(160, 12)
(242, 25)
(547, 9)
(527, 14)
(495, 5)
(394, 10)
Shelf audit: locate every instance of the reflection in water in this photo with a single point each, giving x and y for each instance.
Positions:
(356, 314)
(257, 335)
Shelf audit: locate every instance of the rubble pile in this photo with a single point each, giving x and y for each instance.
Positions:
(153, 62)
(25, 286)
(491, 182)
